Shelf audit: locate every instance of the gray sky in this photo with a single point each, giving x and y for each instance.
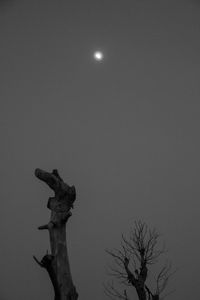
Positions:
(125, 132)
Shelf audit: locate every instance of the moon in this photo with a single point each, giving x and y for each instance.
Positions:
(98, 55)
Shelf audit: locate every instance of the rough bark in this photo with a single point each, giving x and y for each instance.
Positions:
(57, 263)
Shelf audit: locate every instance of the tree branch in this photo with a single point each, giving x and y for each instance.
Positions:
(47, 263)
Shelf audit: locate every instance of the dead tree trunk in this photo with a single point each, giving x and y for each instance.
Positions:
(57, 263)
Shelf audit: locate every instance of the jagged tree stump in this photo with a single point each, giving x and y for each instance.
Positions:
(57, 263)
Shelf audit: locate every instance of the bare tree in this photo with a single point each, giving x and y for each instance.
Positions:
(132, 262)
(57, 263)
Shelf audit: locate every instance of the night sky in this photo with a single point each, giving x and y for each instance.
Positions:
(124, 131)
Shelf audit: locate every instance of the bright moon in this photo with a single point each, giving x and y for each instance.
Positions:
(98, 55)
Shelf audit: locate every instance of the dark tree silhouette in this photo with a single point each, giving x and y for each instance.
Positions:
(57, 263)
(132, 262)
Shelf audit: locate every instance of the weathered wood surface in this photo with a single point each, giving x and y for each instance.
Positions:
(57, 263)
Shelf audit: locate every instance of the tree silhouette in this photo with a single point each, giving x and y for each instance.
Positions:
(132, 262)
(57, 263)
